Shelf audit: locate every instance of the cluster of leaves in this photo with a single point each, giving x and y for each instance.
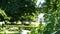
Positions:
(51, 8)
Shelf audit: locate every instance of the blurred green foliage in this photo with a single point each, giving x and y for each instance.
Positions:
(13, 10)
(51, 8)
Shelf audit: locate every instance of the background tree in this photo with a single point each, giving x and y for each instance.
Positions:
(17, 8)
